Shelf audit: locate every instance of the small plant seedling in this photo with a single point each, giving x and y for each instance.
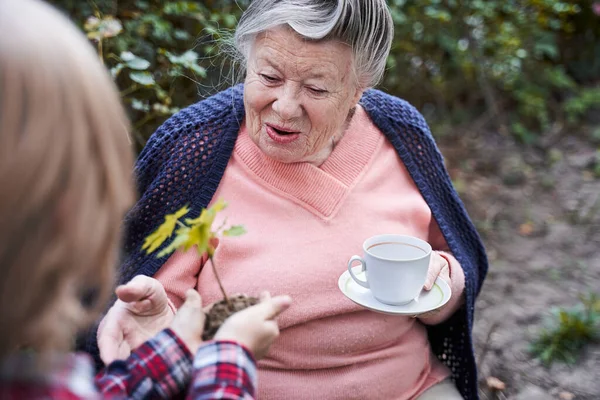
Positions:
(569, 331)
(198, 233)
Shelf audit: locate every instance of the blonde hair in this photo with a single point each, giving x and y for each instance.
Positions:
(65, 178)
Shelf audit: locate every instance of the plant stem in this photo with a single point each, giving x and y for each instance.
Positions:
(212, 262)
(129, 90)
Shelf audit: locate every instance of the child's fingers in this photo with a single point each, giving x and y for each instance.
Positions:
(189, 320)
(193, 300)
(190, 312)
(264, 296)
(269, 309)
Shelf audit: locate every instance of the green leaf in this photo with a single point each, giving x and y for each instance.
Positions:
(181, 212)
(199, 236)
(230, 21)
(219, 205)
(104, 28)
(134, 62)
(164, 231)
(186, 58)
(546, 49)
(142, 4)
(114, 71)
(175, 71)
(182, 8)
(181, 34)
(162, 95)
(178, 241)
(198, 70)
(236, 230)
(143, 78)
(139, 105)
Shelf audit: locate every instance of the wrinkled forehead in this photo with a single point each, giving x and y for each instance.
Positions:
(287, 51)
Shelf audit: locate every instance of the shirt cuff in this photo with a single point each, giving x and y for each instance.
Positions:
(160, 367)
(224, 366)
(457, 286)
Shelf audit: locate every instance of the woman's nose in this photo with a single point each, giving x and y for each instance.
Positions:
(287, 105)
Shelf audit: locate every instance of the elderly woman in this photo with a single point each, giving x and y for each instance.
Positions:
(313, 162)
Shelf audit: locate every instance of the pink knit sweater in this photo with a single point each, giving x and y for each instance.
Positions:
(304, 223)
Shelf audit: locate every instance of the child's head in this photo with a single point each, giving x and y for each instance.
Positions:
(65, 177)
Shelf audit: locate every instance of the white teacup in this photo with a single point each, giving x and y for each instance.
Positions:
(395, 267)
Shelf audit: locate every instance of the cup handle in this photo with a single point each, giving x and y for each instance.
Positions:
(362, 283)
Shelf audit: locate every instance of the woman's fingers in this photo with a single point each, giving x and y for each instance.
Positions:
(193, 301)
(111, 344)
(436, 266)
(136, 289)
(143, 296)
(110, 337)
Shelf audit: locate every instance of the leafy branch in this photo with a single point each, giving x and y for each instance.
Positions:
(196, 232)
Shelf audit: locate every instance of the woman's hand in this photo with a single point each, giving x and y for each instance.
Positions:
(141, 311)
(438, 266)
(255, 327)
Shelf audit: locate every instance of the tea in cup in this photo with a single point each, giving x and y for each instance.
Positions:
(395, 267)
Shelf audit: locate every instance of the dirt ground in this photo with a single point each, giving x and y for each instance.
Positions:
(538, 210)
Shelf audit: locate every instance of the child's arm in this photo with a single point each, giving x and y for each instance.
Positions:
(159, 368)
(162, 367)
(223, 370)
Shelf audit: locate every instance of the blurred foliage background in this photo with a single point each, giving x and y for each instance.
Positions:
(524, 71)
(521, 65)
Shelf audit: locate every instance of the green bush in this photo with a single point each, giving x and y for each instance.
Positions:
(160, 53)
(517, 60)
(526, 63)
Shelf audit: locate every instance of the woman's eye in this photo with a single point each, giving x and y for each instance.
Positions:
(268, 78)
(317, 91)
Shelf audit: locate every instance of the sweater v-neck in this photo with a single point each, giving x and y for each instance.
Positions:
(321, 190)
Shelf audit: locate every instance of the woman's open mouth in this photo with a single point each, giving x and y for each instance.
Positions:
(281, 135)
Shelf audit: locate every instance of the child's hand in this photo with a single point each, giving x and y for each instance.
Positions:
(188, 324)
(141, 312)
(255, 327)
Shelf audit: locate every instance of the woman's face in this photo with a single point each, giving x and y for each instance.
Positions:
(298, 95)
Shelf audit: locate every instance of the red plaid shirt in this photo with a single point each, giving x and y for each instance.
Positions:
(161, 368)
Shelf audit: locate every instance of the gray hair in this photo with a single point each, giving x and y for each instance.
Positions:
(365, 25)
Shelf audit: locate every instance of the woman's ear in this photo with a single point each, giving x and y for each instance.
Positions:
(357, 95)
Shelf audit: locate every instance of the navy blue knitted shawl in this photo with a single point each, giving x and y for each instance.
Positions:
(185, 159)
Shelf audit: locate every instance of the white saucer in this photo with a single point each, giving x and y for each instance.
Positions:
(427, 301)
